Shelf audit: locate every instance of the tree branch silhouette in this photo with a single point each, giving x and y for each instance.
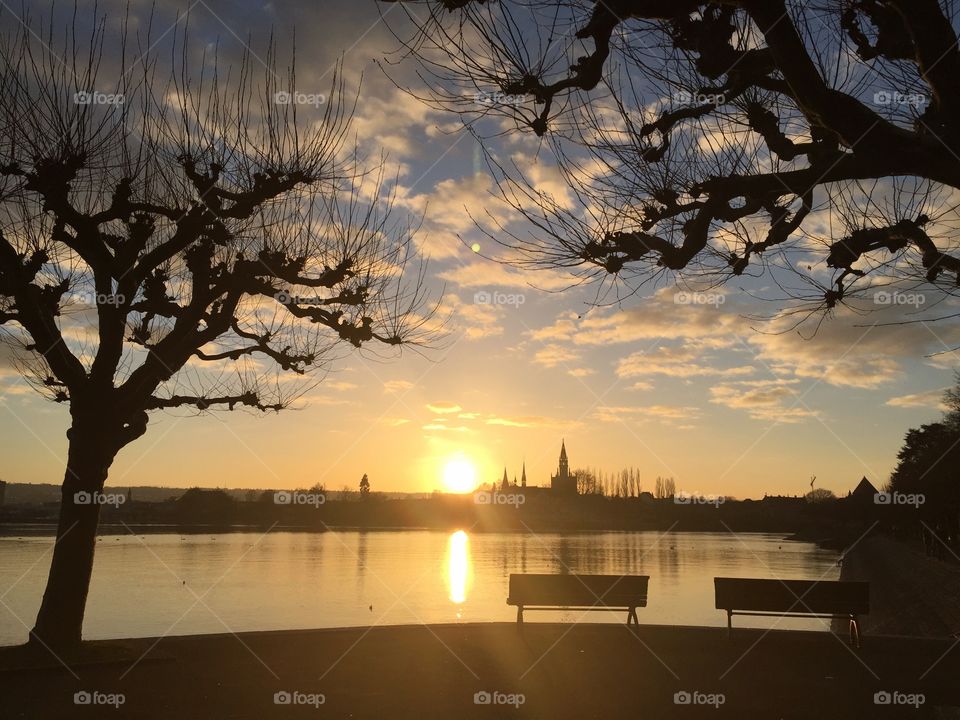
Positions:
(703, 139)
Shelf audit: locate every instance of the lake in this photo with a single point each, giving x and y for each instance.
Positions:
(150, 585)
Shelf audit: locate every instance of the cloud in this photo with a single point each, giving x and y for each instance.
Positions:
(394, 422)
(444, 408)
(395, 119)
(840, 355)
(509, 422)
(13, 383)
(338, 385)
(772, 400)
(847, 350)
(477, 320)
(553, 355)
(451, 209)
(310, 399)
(439, 426)
(932, 399)
(666, 413)
(656, 317)
(397, 386)
(490, 275)
(581, 372)
(683, 362)
(526, 421)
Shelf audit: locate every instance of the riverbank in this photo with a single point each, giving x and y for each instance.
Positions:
(540, 670)
(512, 510)
(910, 593)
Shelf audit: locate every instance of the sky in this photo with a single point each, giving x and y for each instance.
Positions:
(704, 393)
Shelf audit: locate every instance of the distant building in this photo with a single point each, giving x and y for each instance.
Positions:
(3, 491)
(864, 494)
(563, 483)
(783, 500)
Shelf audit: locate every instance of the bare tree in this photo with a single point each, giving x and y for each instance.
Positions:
(820, 495)
(587, 483)
(815, 143)
(664, 488)
(172, 239)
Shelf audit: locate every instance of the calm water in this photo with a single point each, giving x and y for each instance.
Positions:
(170, 584)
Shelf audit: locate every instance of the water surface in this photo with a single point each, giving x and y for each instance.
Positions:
(151, 585)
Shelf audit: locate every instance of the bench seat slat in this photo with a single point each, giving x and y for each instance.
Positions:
(792, 596)
(589, 591)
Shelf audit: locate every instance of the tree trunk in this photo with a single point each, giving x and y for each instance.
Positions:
(60, 619)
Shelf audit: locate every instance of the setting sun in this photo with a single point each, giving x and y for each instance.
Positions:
(459, 475)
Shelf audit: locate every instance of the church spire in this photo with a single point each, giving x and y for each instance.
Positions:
(523, 476)
(505, 483)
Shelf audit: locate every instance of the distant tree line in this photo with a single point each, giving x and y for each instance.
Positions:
(621, 484)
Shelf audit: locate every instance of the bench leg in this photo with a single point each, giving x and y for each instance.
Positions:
(729, 622)
(854, 632)
(632, 616)
(519, 614)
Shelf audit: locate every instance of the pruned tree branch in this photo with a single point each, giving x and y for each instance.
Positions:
(697, 137)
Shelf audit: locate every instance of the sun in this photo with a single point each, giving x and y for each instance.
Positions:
(459, 476)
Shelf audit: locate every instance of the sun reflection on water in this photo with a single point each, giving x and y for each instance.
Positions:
(459, 570)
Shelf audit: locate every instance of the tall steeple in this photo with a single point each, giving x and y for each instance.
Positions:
(523, 476)
(505, 482)
(564, 470)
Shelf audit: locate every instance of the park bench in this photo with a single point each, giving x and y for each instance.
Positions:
(578, 592)
(794, 598)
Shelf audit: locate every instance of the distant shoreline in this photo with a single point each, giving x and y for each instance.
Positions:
(513, 510)
(49, 530)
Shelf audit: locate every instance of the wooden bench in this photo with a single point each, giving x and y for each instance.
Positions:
(794, 598)
(579, 592)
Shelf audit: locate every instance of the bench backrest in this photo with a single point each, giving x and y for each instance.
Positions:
(620, 591)
(821, 597)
